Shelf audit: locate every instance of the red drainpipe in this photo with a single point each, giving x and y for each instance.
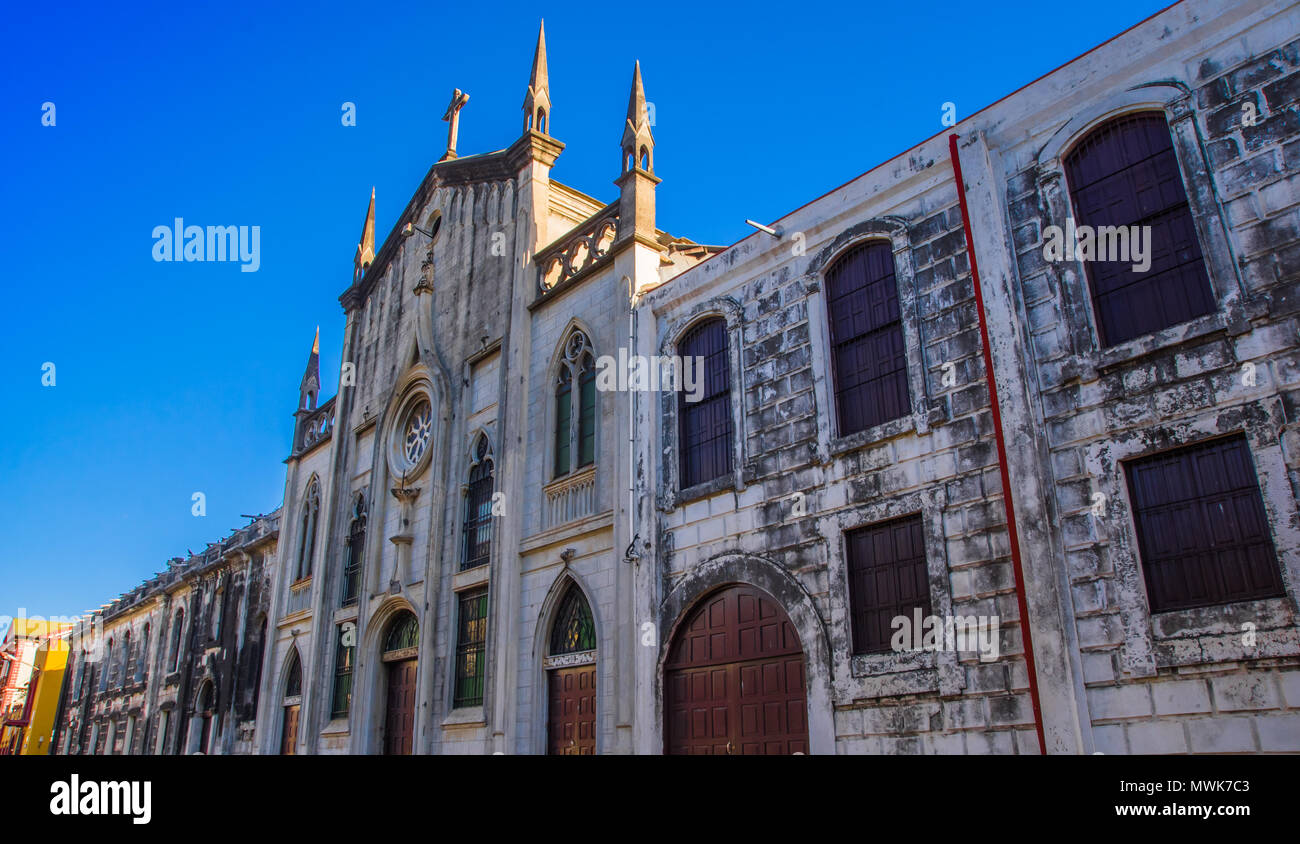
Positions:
(1002, 451)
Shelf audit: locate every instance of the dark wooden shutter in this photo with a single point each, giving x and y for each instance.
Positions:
(887, 579)
(868, 357)
(1201, 528)
(1125, 173)
(705, 425)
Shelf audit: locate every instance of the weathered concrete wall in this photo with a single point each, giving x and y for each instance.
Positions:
(1175, 681)
(1112, 676)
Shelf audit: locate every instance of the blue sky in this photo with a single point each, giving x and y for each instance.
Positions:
(175, 378)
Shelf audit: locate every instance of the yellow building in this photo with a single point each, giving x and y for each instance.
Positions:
(36, 653)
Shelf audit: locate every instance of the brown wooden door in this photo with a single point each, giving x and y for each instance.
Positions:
(289, 731)
(734, 679)
(572, 721)
(400, 721)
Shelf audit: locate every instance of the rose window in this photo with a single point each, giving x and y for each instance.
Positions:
(419, 428)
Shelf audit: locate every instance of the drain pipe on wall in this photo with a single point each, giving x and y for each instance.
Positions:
(1007, 504)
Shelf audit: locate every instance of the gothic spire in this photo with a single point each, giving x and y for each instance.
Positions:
(638, 143)
(366, 247)
(537, 100)
(309, 389)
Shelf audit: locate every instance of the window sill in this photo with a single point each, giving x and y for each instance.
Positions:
(336, 727)
(1205, 635)
(893, 674)
(1158, 341)
(469, 578)
(839, 446)
(349, 613)
(708, 489)
(889, 662)
(465, 716)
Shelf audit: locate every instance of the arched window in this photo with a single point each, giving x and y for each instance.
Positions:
(79, 679)
(106, 679)
(307, 540)
(478, 508)
(575, 383)
(1125, 174)
(705, 429)
(352, 556)
(142, 664)
(868, 356)
(293, 680)
(573, 631)
(218, 610)
(204, 707)
(403, 639)
(127, 666)
(178, 627)
(291, 703)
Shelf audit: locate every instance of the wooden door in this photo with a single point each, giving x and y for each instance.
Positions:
(399, 723)
(571, 727)
(734, 682)
(289, 731)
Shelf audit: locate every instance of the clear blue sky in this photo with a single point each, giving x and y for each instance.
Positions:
(174, 378)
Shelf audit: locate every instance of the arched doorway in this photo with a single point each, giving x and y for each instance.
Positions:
(401, 649)
(203, 707)
(735, 678)
(292, 703)
(570, 665)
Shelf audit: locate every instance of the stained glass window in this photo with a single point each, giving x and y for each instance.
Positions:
(573, 630)
(404, 634)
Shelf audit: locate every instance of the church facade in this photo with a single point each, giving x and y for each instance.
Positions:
(590, 487)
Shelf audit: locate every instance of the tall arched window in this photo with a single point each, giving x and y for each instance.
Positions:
(575, 384)
(352, 556)
(291, 704)
(178, 627)
(1125, 174)
(307, 539)
(218, 610)
(106, 679)
(868, 356)
(478, 508)
(573, 631)
(142, 664)
(127, 667)
(705, 429)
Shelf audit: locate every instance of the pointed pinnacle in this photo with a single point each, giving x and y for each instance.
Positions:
(636, 100)
(538, 80)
